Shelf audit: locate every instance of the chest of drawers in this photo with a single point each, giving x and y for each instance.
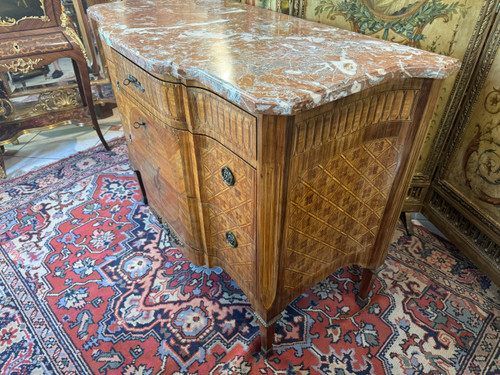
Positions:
(246, 172)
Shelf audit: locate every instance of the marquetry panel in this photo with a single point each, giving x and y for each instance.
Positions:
(228, 208)
(237, 201)
(239, 262)
(345, 117)
(335, 208)
(163, 99)
(223, 121)
(34, 44)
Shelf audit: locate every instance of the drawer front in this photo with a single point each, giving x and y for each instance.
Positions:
(227, 191)
(14, 48)
(231, 245)
(157, 152)
(124, 115)
(216, 117)
(164, 99)
(226, 182)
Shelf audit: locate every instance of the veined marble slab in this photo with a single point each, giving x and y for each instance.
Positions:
(263, 61)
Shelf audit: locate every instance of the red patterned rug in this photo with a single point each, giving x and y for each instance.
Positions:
(90, 284)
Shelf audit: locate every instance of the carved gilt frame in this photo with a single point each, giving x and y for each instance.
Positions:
(476, 234)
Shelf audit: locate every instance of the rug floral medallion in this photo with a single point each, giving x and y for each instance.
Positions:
(90, 284)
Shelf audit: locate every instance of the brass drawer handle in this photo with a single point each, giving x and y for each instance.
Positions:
(137, 125)
(132, 80)
(231, 239)
(227, 176)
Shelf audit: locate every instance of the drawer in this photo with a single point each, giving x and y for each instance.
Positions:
(227, 192)
(157, 152)
(31, 45)
(226, 182)
(231, 245)
(230, 125)
(163, 99)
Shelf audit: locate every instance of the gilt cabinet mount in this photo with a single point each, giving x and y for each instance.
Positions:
(280, 160)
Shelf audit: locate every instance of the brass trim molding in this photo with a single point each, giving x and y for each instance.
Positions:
(21, 65)
(57, 99)
(66, 23)
(42, 128)
(7, 110)
(9, 21)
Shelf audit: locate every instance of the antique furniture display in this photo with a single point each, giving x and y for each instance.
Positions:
(34, 33)
(454, 183)
(276, 148)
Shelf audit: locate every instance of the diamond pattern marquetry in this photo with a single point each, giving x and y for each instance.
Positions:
(228, 208)
(239, 261)
(337, 206)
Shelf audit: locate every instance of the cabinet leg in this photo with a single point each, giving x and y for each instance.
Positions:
(406, 218)
(3, 171)
(83, 80)
(141, 186)
(267, 330)
(368, 276)
(267, 338)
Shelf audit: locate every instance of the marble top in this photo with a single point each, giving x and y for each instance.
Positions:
(263, 61)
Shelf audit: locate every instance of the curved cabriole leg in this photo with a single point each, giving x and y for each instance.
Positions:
(368, 276)
(82, 77)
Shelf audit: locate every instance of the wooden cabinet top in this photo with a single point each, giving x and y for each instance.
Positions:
(263, 61)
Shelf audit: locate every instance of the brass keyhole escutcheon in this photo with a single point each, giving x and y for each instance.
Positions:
(138, 124)
(227, 176)
(231, 239)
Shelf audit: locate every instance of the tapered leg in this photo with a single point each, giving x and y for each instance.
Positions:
(368, 276)
(141, 185)
(82, 77)
(266, 333)
(267, 338)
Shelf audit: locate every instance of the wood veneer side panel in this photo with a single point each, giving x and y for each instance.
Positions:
(341, 172)
(411, 146)
(273, 154)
